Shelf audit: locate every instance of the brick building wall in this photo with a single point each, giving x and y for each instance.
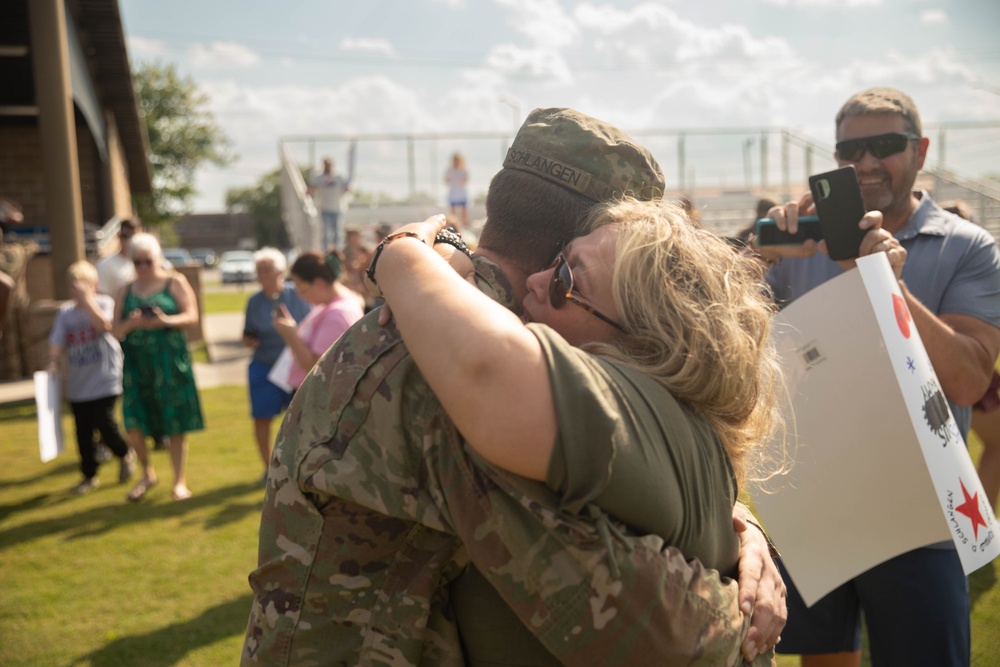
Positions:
(219, 231)
(21, 169)
(22, 178)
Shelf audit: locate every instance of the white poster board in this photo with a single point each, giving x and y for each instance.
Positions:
(879, 466)
(49, 404)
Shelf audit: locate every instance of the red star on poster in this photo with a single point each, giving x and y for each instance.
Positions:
(970, 508)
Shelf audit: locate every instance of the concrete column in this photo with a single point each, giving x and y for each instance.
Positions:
(57, 126)
(109, 206)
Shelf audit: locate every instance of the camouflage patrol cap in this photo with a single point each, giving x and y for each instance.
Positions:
(584, 154)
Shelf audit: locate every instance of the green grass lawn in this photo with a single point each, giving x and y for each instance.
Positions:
(215, 301)
(94, 581)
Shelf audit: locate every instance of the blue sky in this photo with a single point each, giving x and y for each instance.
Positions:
(313, 67)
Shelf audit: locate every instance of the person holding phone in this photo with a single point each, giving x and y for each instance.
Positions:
(267, 400)
(160, 396)
(335, 307)
(915, 606)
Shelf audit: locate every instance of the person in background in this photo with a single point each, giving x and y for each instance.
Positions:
(113, 273)
(161, 398)
(10, 214)
(382, 230)
(457, 178)
(986, 424)
(745, 236)
(328, 189)
(94, 372)
(915, 605)
(116, 271)
(356, 258)
(266, 399)
(985, 413)
(334, 309)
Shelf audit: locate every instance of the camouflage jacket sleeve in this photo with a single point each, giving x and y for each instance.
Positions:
(352, 553)
(591, 594)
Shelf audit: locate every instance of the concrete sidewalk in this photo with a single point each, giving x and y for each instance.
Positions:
(228, 366)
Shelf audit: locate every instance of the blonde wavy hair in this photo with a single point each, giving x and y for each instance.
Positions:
(698, 321)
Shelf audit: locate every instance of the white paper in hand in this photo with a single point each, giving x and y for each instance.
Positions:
(49, 403)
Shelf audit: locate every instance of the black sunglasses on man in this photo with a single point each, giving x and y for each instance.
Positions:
(880, 145)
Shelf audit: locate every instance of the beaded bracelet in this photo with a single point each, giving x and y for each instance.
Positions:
(449, 236)
(370, 273)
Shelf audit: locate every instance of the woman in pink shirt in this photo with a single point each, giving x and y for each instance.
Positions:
(335, 308)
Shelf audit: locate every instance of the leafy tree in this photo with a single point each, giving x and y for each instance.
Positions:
(263, 202)
(183, 135)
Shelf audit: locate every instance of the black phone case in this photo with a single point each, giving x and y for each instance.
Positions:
(839, 205)
(768, 233)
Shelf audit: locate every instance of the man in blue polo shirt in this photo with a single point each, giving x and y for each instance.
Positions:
(916, 606)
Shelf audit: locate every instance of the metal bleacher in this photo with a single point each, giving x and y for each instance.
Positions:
(723, 171)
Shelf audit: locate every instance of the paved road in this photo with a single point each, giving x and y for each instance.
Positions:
(226, 352)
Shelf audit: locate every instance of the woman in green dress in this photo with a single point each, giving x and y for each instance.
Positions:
(160, 397)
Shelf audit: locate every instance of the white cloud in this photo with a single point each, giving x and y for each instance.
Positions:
(365, 45)
(647, 66)
(222, 55)
(454, 4)
(544, 22)
(609, 20)
(653, 35)
(933, 17)
(529, 64)
(833, 4)
(730, 42)
(141, 48)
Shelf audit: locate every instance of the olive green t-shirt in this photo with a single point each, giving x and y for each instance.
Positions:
(627, 445)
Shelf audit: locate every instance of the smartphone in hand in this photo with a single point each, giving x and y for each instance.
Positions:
(147, 311)
(767, 232)
(840, 207)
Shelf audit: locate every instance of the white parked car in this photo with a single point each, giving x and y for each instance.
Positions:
(237, 266)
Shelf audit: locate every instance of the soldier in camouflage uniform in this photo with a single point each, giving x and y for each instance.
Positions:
(374, 504)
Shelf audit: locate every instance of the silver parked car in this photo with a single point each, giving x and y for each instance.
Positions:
(237, 266)
(177, 256)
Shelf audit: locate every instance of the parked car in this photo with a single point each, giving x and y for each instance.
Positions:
(206, 256)
(177, 256)
(237, 266)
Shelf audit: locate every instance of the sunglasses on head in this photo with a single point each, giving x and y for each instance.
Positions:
(561, 291)
(142, 262)
(881, 145)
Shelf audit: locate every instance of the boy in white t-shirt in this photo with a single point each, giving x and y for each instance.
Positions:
(94, 372)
